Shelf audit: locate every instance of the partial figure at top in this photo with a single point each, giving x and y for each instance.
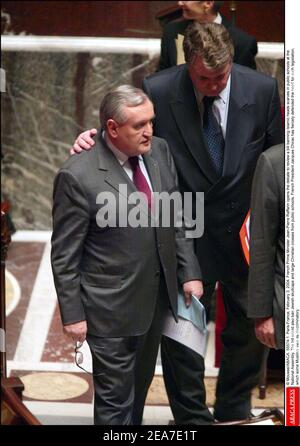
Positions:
(245, 46)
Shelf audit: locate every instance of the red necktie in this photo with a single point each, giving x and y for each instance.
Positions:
(139, 179)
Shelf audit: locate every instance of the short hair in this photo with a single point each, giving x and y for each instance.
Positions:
(113, 103)
(211, 42)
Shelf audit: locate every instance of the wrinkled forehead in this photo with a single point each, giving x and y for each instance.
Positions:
(144, 111)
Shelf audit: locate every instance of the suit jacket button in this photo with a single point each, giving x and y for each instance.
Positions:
(157, 273)
(232, 205)
(229, 229)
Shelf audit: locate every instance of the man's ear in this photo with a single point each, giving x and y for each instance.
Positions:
(209, 6)
(112, 128)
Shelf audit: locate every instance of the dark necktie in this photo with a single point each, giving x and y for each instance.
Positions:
(213, 134)
(139, 179)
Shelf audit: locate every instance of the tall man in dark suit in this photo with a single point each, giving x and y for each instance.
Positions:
(245, 46)
(114, 281)
(215, 144)
(246, 110)
(267, 238)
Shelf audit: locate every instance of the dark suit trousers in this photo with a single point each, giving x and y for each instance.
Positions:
(241, 363)
(128, 366)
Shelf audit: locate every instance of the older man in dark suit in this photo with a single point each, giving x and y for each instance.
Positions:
(217, 118)
(245, 46)
(116, 281)
(267, 239)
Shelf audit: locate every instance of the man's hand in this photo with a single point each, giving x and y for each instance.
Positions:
(265, 331)
(77, 332)
(84, 141)
(194, 287)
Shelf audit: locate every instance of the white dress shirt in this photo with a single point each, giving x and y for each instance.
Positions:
(218, 19)
(123, 160)
(220, 106)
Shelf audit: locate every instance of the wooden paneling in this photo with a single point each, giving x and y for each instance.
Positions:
(86, 18)
(263, 19)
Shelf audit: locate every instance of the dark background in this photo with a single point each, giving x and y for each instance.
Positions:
(263, 19)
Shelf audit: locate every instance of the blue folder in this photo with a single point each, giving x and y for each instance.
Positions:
(194, 313)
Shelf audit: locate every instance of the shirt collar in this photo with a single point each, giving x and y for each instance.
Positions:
(224, 95)
(218, 19)
(121, 156)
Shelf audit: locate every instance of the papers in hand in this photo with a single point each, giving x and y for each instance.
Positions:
(190, 330)
(194, 313)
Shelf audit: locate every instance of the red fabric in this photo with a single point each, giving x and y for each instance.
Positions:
(220, 324)
(140, 180)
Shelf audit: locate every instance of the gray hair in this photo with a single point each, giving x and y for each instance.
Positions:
(113, 103)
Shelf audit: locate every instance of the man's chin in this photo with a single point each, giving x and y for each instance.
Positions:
(146, 146)
(212, 94)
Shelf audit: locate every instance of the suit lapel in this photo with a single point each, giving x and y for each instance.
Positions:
(113, 172)
(186, 113)
(153, 171)
(238, 125)
(154, 174)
